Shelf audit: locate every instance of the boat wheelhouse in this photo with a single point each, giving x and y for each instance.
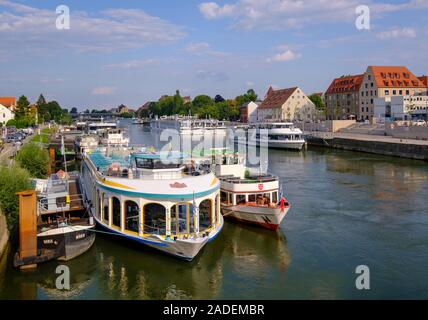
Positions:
(249, 198)
(114, 138)
(153, 199)
(281, 135)
(84, 144)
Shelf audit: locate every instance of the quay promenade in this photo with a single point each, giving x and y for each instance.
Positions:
(385, 145)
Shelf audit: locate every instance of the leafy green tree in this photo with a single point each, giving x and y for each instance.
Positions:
(41, 101)
(178, 103)
(166, 106)
(251, 95)
(127, 115)
(318, 102)
(218, 98)
(35, 159)
(202, 101)
(13, 179)
(22, 107)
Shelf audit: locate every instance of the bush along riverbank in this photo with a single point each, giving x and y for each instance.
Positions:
(31, 162)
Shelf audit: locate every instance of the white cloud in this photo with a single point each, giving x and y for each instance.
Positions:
(103, 91)
(285, 56)
(24, 28)
(286, 14)
(212, 10)
(203, 48)
(133, 64)
(397, 33)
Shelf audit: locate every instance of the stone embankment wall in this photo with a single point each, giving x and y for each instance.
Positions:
(412, 132)
(403, 150)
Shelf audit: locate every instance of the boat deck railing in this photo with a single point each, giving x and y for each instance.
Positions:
(249, 180)
(69, 203)
(61, 223)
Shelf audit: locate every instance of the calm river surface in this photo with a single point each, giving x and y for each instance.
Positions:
(349, 209)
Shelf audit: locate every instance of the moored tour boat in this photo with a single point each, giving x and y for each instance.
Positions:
(254, 199)
(62, 231)
(165, 205)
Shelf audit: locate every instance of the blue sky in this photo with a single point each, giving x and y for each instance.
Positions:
(134, 51)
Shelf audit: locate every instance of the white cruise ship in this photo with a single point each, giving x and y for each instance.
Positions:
(281, 135)
(190, 125)
(170, 207)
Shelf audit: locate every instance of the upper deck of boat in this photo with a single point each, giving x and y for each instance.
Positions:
(249, 180)
(134, 165)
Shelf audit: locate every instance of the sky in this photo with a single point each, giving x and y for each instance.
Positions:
(134, 51)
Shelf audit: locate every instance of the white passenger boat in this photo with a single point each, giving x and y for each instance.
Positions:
(97, 127)
(249, 198)
(114, 138)
(190, 125)
(166, 206)
(281, 135)
(137, 121)
(84, 144)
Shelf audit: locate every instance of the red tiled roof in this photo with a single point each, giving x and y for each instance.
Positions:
(276, 98)
(424, 80)
(395, 76)
(346, 84)
(8, 101)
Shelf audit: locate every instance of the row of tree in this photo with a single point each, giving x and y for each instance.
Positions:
(203, 106)
(27, 115)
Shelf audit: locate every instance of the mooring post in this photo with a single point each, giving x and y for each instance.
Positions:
(27, 226)
(52, 160)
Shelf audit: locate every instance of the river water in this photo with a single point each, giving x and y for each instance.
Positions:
(348, 209)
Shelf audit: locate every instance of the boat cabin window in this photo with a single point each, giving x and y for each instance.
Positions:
(143, 163)
(154, 219)
(132, 214)
(275, 197)
(205, 215)
(61, 202)
(267, 197)
(240, 199)
(116, 212)
(252, 198)
(183, 210)
(106, 208)
(223, 197)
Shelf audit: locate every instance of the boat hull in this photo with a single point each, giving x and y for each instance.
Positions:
(268, 218)
(183, 249)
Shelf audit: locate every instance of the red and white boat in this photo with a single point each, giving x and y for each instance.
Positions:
(254, 199)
